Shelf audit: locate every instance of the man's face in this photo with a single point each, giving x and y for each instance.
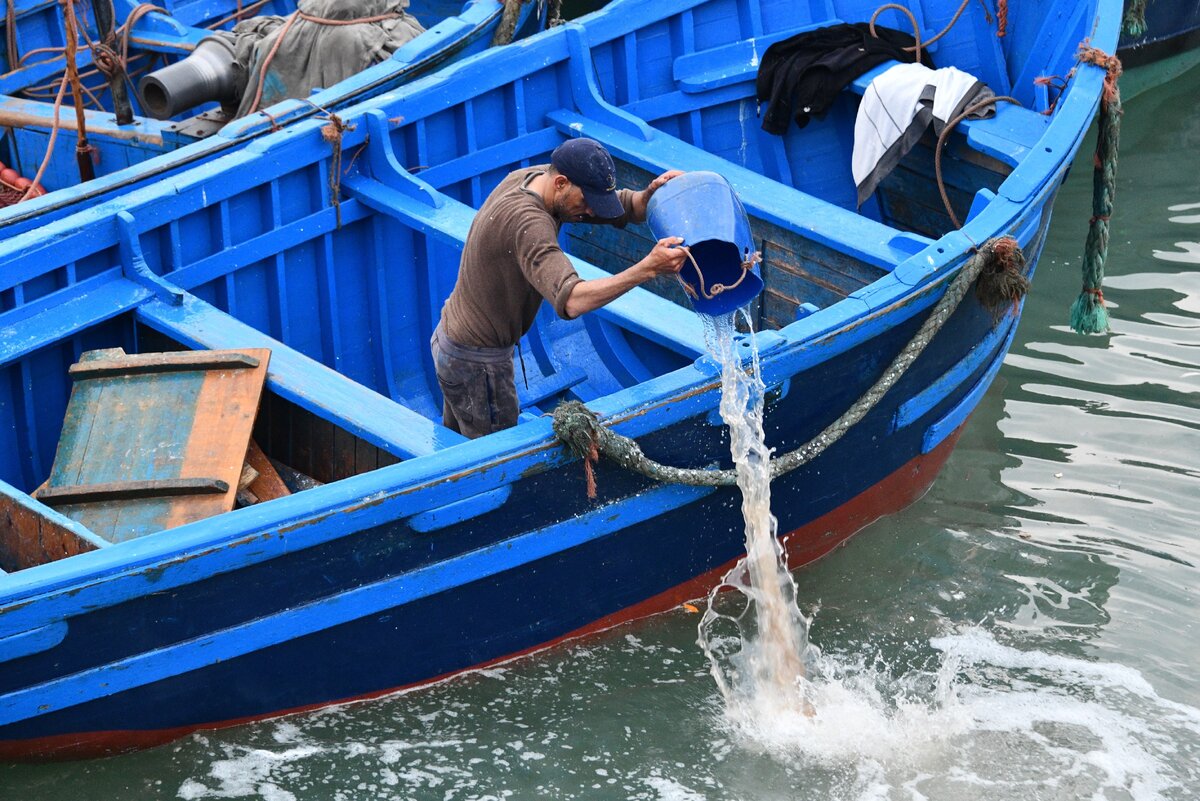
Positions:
(569, 205)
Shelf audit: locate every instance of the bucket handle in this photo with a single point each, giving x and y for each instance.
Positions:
(716, 289)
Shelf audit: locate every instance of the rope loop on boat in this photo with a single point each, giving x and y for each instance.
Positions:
(585, 435)
(332, 131)
(1088, 315)
(941, 144)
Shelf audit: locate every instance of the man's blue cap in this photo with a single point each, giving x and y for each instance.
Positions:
(587, 164)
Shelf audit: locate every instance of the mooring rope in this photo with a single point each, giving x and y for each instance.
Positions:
(941, 144)
(1088, 315)
(582, 433)
(10, 33)
(332, 132)
(507, 28)
(1135, 19)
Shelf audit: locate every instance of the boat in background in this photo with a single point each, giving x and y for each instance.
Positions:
(322, 266)
(1157, 30)
(148, 149)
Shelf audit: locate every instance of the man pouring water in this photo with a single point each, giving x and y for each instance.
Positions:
(512, 261)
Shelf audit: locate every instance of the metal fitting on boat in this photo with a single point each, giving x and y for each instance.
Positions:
(207, 75)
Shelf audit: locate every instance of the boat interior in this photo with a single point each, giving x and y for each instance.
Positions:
(33, 65)
(338, 261)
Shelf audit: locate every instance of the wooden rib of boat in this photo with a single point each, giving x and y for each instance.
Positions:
(415, 553)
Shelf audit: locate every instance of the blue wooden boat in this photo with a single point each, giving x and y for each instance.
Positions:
(421, 553)
(148, 149)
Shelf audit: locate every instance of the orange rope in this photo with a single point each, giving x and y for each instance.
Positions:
(1110, 64)
(1001, 17)
(37, 179)
(916, 31)
(239, 13)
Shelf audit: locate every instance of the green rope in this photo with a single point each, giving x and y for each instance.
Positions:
(586, 437)
(1135, 18)
(1088, 315)
(508, 23)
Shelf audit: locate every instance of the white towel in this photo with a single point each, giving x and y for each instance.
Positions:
(897, 108)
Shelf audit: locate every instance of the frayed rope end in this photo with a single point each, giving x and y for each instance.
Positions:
(1088, 315)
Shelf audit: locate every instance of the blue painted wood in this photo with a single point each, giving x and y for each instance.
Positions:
(953, 419)
(459, 511)
(488, 536)
(301, 380)
(984, 352)
(149, 150)
(256, 635)
(31, 642)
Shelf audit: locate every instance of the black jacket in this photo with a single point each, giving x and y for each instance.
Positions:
(801, 76)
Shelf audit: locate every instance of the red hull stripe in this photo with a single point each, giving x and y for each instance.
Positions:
(805, 544)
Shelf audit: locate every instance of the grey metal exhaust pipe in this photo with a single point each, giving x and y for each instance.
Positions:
(205, 76)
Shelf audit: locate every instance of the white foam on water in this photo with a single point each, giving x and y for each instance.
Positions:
(988, 721)
(671, 790)
(249, 773)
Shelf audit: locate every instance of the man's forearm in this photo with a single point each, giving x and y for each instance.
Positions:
(587, 296)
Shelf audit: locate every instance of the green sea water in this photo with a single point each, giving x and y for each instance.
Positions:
(1027, 630)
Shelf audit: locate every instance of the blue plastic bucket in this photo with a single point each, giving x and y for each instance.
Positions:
(702, 208)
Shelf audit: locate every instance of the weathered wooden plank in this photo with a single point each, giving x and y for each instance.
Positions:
(128, 490)
(144, 363)
(29, 538)
(137, 449)
(268, 485)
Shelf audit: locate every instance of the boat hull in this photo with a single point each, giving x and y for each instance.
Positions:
(413, 640)
(449, 554)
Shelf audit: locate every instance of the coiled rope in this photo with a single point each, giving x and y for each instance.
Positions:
(583, 434)
(1088, 315)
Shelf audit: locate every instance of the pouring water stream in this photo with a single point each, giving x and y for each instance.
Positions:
(763, 672)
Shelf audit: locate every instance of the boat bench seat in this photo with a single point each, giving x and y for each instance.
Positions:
(1007, 136)
(304, 381)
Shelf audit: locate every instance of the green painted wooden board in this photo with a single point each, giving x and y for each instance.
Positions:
(157, 418)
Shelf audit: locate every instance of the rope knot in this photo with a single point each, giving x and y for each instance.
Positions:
(578, 428)
(1110, 64)
(332, 132)
(106, 59)
(1002, 282)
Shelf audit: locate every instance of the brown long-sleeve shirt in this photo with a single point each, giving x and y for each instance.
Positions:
(510, 262)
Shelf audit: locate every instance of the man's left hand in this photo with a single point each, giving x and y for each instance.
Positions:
(658, 182)
(641, 199)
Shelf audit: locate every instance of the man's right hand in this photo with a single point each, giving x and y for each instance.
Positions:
(667, 256)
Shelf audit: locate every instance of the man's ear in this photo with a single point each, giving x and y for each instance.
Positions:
(561, 182)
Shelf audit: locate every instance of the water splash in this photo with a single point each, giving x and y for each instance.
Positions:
(759, 664)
